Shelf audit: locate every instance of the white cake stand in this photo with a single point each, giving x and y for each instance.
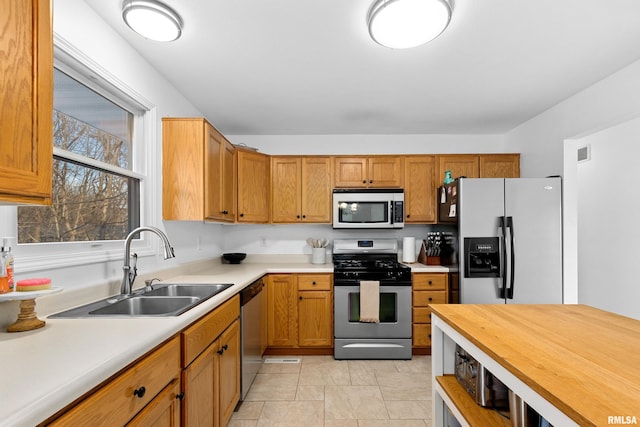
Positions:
(27, 318)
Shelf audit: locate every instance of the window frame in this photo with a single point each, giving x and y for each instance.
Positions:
(145, 167)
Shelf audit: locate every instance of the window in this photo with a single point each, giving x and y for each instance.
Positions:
(96, 193)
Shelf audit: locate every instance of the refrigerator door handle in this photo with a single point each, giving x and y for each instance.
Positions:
(512, 260)
(503, 272)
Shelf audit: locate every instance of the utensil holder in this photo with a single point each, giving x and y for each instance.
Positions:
(318, 255)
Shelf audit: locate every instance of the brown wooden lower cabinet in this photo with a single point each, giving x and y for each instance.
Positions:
(428, 288)
(211, 371)
(192, 380)
(211, 383)
(163, 411)
(300, 313)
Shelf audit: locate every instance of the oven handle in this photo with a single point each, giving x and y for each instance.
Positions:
(372, 345)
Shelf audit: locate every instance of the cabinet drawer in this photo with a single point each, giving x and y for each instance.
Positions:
(314, 282)
(202, 333)
(422, 335)
(429, 282)
(114, 403)
(424, 298)
(421, 315)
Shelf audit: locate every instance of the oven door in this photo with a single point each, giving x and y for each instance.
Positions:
(395, 313)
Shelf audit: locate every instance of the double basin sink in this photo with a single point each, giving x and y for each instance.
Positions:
(162, 300)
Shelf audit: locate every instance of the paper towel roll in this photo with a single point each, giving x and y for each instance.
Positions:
(409, 249)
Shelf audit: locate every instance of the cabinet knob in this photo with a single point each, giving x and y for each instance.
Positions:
(408, 215)
(304, 216)
(241, 215)
(430, 282)
(225, 347)
(180, 396)
(370, 181)
(300, 298)
(224, 212)
(364, 181)
(313, 283)
(430, 299)
(139, 392)
(298, 216)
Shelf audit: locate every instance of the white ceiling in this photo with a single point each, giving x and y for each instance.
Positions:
(309, 66)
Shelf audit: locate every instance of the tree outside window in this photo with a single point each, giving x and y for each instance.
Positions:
(95, 192)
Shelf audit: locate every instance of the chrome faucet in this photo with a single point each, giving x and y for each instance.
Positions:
(131, 271)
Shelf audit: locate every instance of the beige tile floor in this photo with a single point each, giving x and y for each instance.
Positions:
(321, 391)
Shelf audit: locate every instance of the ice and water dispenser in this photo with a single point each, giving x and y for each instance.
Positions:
(481, 257)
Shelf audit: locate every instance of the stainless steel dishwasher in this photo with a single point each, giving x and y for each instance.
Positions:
(251, 333)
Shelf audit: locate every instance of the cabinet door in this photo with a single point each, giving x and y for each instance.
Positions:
(229, 369)
(420, 189)
(219, 173)
(163, 410)
(200, 387)
(285, 189)
(253, 187)
(282, 313)
(351, 172)
(214, 143)
(229, 182)
(26, 101)
(316, 189)
(183, 163)
(315, 319)
(499, 166)
(459, 164)
(386, 172)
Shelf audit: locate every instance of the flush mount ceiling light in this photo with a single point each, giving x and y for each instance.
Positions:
(401, 24)
(152, 19)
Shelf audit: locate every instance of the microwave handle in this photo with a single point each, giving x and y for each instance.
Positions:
(397, 212)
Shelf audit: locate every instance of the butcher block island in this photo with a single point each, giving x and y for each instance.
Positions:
(573, 364)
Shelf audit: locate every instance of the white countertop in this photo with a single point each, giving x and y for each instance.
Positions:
(44, 370)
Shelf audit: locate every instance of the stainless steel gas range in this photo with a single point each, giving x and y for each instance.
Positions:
(371, 260)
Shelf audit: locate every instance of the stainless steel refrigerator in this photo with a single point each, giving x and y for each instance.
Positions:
(510, 240)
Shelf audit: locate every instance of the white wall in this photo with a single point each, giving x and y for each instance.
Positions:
(608, 230)
(606, 103)
(548, 145)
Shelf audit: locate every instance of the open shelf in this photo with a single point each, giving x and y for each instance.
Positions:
(473, 413)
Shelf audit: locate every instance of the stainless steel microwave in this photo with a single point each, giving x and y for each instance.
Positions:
(368, 208)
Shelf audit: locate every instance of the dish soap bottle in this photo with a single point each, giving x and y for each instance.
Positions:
(6, 258)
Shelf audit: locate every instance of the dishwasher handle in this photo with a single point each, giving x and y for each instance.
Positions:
(248, 293)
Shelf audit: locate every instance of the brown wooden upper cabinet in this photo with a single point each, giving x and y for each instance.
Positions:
(419, 184)
(198, 172)
(500, 166)
(26, 102)
(253, 187)
(301, 189)
(478, 166)
(369, 172)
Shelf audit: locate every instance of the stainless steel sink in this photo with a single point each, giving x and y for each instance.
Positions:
(185, 289)
(148, 306)
(162, 300)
